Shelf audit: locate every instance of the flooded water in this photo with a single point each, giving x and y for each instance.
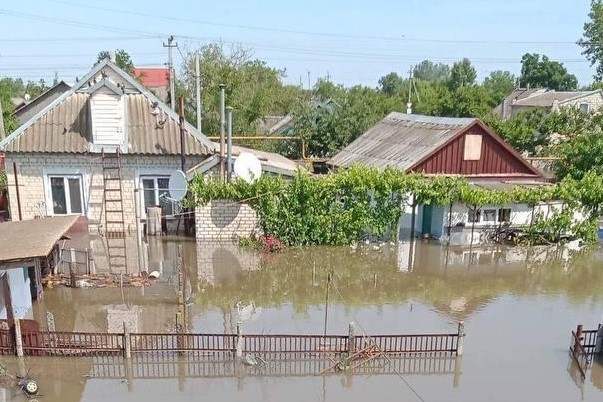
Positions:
(518, 306)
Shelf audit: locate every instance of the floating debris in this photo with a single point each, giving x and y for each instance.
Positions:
(99, 280)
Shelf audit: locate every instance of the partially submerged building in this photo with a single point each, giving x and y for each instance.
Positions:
(447, 146)
(27, 249)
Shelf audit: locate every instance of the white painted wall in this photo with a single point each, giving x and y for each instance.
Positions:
(20, 292)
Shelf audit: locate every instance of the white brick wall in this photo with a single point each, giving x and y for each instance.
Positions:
(225, 220)
(31, 168)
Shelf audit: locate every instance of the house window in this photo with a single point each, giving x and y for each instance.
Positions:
(504, 215)
(489, 216)
(474, 215)
(473, 147)
(585, 108)
(156, 193)
(66, 194)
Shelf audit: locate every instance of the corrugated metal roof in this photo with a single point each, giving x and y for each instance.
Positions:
(546, 99)
(32, 238)
(400, 141)
(66, 128)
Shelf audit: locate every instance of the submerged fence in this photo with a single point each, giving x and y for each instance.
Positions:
(583, 345)
(50, 343)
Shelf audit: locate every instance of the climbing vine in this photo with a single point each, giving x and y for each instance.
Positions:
(347, 206)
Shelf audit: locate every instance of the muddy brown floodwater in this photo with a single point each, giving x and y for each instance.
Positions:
(518, 306)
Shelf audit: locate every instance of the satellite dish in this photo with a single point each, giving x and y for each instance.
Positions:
(178, 185)
(248, 167)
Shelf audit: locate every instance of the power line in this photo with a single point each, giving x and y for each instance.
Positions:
(75, 38)
(400, 38)
(77, 23)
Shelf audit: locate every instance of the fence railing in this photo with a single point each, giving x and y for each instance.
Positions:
(583, 345)
(42, 343)
(80, 261)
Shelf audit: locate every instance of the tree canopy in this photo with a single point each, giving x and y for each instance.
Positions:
(592, 40)
(122, 59)
(537, 72)
(430, 71)
(462, 74)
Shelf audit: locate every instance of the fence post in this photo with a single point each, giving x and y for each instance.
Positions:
(599, 340)
(239, 349)
(351, 338)
(127, 344)
(18, 338)
(461, 336)
(578, 338)
(72, 281)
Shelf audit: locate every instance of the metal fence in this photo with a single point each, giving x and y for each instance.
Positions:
(583, 345)
(44, 343)
(78, 260)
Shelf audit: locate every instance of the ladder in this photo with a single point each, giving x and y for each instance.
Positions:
(115, 226)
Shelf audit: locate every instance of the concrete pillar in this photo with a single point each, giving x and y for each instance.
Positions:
(461, 336)
(18, 338)
(351, 338)
(127, 344)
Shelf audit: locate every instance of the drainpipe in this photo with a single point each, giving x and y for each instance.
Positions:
(229, 143)
(17, 192)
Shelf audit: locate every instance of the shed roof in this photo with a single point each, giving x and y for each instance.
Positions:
(401, 140)
(23, 240)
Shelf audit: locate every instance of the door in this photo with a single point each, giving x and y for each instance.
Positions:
(427, 215)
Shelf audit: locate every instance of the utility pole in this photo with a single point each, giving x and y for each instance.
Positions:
(409, 103)
(229, 144)
(2, 133)
(308, 80)
(170, 45)
(182, 133)
(222, 132)
(198, 85)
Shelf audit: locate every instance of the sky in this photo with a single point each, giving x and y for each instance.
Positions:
(350, 42)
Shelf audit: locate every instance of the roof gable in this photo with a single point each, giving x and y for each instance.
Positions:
(400, 141)
(496, 157)
(152, 114)
(433, 145)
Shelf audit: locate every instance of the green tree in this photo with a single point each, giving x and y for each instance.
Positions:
(430, 71)
(122, 59)
(462, 74)
(592, 40)
(537, 72)
(253, 88)
(499, 84)
(391, 84)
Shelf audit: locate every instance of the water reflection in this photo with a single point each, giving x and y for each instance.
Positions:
(509, 298)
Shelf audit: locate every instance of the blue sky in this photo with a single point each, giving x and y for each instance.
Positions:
(354, 42)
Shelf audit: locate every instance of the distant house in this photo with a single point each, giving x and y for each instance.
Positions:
(157, 79)
(446, 146)
(26, 109)
(66, 154)
(548, 100)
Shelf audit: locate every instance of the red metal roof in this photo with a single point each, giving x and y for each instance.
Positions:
(153, 77)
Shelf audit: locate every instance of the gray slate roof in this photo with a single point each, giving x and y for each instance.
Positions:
(400, 141)
(64, 124)
(547, 98)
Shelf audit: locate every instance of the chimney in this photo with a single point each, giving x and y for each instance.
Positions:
(555, 106)
(112, 56)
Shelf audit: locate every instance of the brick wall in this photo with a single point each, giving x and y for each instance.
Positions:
(31, 168)
(225, 220)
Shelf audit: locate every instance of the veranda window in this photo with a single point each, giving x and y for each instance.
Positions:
(156, 193)
(66, 194)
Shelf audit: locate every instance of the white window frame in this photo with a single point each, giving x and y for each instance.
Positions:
(66, 178)
(482, 221)
(587, 107)
(153, 174)
(82, 173)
